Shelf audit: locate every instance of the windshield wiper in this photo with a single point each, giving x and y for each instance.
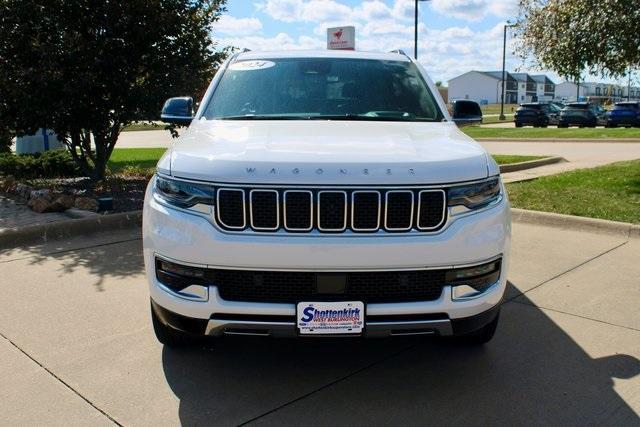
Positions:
(261, 117)
(363, 117)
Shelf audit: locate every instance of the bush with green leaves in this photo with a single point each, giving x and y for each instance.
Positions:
(5, 140)
(50, 164)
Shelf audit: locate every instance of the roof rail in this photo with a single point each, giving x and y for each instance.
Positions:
(399, 52)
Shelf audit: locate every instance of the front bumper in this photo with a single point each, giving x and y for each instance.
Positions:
(285, 326)
(190, 239)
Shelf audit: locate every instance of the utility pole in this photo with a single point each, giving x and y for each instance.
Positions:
(504, 54)
(629, 86)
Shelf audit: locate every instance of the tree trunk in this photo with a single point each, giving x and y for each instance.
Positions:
(104, 142)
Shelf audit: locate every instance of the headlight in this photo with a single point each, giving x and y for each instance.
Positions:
(474, 196)
(183, 194)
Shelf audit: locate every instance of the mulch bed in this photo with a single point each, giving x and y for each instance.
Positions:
(127, 191)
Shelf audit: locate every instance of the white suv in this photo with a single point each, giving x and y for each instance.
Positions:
(324, 193)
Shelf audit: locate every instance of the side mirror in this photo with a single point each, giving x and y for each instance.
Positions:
(178, 111)
(466, 113)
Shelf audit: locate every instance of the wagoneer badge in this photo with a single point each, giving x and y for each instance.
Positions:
(321, 171)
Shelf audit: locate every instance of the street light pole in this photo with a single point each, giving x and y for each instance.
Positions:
(415, 31)
(504, 54)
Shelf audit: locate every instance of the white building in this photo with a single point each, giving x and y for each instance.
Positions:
(483, 87)
(545, 88)
(595, 91)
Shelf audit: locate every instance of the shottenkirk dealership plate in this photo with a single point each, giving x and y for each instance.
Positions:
(327, 318)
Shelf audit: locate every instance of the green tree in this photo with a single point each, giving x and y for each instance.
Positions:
(87, 68)
(571, 36)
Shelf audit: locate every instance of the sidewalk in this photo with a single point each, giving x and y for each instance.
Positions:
(16, 215)
(76, 345)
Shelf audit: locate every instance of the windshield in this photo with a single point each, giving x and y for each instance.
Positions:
(323, 88)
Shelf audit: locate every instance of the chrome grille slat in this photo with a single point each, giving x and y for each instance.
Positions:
(299, 207)
(361, 210)
(356, 216)
(337, 208)
(392, 218)
(439, 196)
(229, 210)
(259, 208)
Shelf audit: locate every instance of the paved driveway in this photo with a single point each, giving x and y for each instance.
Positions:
(76, 348)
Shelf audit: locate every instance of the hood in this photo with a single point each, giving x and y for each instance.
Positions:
(327, 152)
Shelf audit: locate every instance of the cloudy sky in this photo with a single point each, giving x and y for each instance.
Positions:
(455, 36)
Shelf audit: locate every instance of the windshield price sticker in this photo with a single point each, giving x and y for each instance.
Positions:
(251, 65)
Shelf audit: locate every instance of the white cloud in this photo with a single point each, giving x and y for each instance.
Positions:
(373, 10)
(281, 41)
(403, 9)
(475, 10)
(237, 26)
(305, 11)
(325, 10)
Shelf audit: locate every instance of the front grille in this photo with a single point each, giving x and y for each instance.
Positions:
(330, 210)
(293, 287)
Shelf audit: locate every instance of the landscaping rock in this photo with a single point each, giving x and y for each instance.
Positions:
(86, 203)
(63, 202)
(23, 190)
(41, 205)
(44, 193)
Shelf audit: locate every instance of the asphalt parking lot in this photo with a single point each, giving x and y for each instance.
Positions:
(77, 348)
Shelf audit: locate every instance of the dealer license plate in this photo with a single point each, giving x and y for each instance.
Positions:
(330, 318)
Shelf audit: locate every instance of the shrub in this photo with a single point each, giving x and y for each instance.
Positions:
(50, 164)
(5, 140)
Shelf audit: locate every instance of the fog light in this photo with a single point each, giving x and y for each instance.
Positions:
(471, 282)
(182, 281)
(468, 273)
(184, 271)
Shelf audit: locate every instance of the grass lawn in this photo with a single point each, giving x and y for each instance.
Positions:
(495, 108)
(608, 192)
(487, 120)
(587, 133)
(505, 159)
(144, 126)
(143, 158)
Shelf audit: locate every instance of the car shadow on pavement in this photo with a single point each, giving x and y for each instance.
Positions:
(532, 372)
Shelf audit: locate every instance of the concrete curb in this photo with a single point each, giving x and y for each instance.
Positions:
(579, 140)
(577, 223)
(514, 167)
(14, 237)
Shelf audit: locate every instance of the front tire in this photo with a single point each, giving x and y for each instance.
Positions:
(480, 336)
(169, 336)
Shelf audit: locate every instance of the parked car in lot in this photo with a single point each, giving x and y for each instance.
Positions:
(536, 114)
(312, 205)
(624, 114)
(466, 112)
(580, 114)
